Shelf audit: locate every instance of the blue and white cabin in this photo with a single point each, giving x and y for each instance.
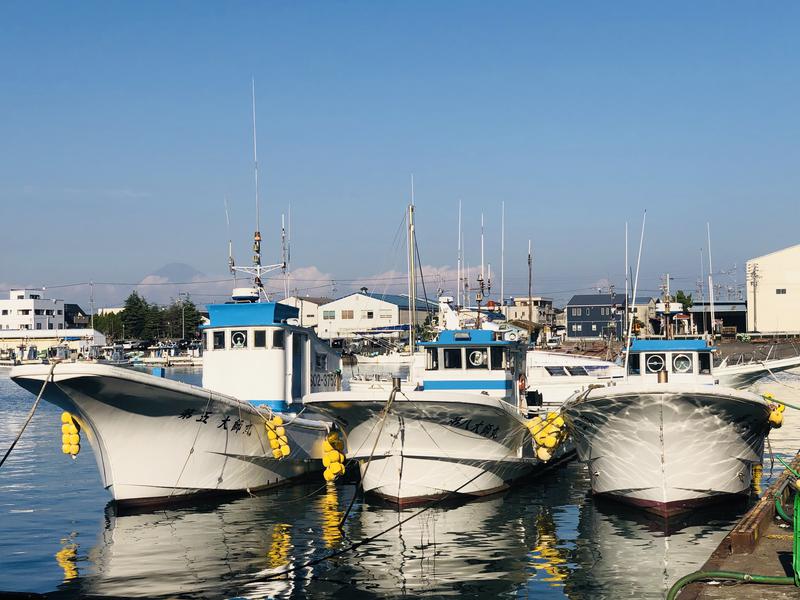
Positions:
(255, 351)
(474, 360)
(679, 361)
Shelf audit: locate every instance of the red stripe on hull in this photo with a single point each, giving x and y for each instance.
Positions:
(676, 507)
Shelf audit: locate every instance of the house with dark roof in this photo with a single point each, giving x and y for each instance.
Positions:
(595, 316)
(370, 313)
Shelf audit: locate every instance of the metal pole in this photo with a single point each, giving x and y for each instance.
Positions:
(530, 294)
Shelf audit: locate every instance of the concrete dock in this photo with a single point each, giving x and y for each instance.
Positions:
(759, 544)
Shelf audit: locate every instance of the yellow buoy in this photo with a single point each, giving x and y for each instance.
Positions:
(775, 418)
(65, 448)
(326, 446)
(326, 462)
(285, 450)
(274, 444)
(543, 454)
(66, 417)
(328, 475)
(65, 428)
(72, 428)
(283, 439)
(336, 468)
(276, 453)
(550, 441)
(280, 431)
(277, 420)
(271, 434)
(74, 449)
(558, 422)
(74, 438)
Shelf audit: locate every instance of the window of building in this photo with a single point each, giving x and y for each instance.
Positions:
(23, 311)
(574, 327)
(35, 296)
(49, 325)
(347, 314)
(452, 358)
(59, 311)
(579, 327)
(594, 327)
(239, 339)
(386, 314)
(5, 311)
(588, 311)
(38, 326)
(219, 340)
(780, 291)
(277, 338)
(432, 359)
(367, 314)
(328, 314)
(259, 338)
(38, 311)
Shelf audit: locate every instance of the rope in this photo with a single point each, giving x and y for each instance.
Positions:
(372, 452)
(30, 414)
(791, 387)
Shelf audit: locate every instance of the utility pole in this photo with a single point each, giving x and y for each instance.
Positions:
(754, 276)
(530, 294)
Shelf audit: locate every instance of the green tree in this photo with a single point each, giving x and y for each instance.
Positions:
(684, 300)
(192, 318)
(154, 322)
(135, 315)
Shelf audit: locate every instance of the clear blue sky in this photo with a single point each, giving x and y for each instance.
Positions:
(124, 124)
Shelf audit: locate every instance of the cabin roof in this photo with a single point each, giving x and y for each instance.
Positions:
(466, 337)
(249, 313)
(670, 345)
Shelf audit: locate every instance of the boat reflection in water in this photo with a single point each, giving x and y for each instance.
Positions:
(543, 541)
(626, 553)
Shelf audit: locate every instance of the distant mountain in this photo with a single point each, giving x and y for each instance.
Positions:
(178, 273)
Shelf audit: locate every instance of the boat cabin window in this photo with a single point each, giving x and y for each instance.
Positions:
(499, 357)
(556, 371)
(259, 338)
(321, 362)
(219, 340)
(655, 363)
(432, 359)
(704, 362)
(577, 371)
(682, 363)
(239, 339)
(477, 358)
(452, 358)
(634, 364)
(277, 338)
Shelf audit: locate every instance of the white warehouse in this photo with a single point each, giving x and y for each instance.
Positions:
(369, 313)
(773, 292)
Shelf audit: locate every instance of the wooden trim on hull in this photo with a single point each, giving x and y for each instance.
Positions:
(667, 510)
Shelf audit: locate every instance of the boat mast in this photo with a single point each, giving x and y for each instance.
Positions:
(502, 256)
(710, 280)
(257, 270)
(412, 284)
(633, 300)
(459, 258)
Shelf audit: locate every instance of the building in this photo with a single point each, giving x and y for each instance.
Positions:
(368, 313)
(773, 292)
(75, 317)
(728, 314)
(541, 314)
(308, 307)
(30, 310)
(113, 310)
(595, 316)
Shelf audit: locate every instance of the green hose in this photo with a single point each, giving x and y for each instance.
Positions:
(730, 575)
(747, 577)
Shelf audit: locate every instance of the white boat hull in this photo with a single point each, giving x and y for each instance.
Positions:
(741, 376)
(432, 444)
(157, 440)
(668, 448)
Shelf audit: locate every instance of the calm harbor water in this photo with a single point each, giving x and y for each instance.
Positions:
(545, 539)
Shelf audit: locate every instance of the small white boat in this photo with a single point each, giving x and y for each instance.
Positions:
(668, 438)
(157, 440)
(744, 374)
(460, 429)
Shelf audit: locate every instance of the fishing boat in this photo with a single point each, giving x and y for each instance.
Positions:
(157, 440)
(669, 437)
(459, 429)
